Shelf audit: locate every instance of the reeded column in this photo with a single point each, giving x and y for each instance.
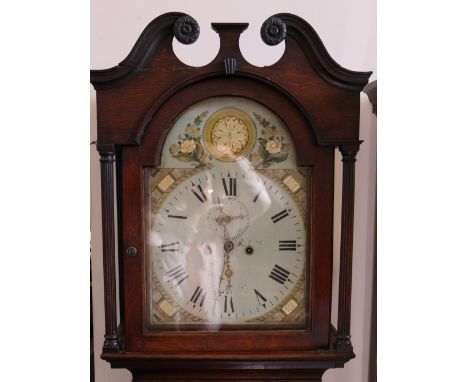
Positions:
(343, 342)
(107, 154)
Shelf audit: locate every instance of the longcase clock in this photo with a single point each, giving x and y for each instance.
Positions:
(224, 182)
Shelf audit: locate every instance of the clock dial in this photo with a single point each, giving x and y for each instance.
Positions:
(226, 239)
(227, 248)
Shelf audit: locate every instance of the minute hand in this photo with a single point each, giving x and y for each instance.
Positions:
(228, 247)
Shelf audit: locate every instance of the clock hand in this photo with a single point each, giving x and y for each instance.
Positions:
(221, 277)
(223, 220)
(228, 247)
(241, 216)
(228, 274)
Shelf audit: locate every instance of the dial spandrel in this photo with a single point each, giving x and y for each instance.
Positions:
(226, 239)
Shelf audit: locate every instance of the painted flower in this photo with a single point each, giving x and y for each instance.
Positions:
(270, 131)
(273, 147)
(193, 130)
(174, 149)
(205, 158)
(187, 146)
(286, 147)
(254, 157)
(230, 135)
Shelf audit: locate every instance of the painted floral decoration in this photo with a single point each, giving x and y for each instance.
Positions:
(230, 135)
(188, 147)
(272, 147)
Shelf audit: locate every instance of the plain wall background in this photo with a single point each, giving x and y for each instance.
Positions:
(348, 30)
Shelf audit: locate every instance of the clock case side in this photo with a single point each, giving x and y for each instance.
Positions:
(129, 95)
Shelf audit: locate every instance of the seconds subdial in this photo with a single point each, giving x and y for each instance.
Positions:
(229, 218)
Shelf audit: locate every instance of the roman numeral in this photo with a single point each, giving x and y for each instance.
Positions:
(279, 274)
(177, 274)
(228, 304)
(196, 295)
(231, 189)
(200, 195)
(288, 245)
(260, 298)
(280, 215)
(172, 247)
(177, 216)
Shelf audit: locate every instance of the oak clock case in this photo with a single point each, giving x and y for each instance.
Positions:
(224, 183)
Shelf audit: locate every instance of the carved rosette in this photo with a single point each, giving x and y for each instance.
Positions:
(186, 30)
(229, 134)
(273, 31)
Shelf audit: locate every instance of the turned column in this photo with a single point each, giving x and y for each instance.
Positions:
(107, 154)
(343, 338)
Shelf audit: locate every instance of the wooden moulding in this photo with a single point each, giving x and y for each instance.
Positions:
(327, 93)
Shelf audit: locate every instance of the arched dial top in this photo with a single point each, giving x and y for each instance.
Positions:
(228, 129)
(226, 234)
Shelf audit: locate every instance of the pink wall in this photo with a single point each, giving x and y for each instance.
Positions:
(348, 30)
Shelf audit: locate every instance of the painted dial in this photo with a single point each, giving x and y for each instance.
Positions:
(227, 246)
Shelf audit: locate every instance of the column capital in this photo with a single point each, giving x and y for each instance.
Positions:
(349, 150)
(106, 151)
